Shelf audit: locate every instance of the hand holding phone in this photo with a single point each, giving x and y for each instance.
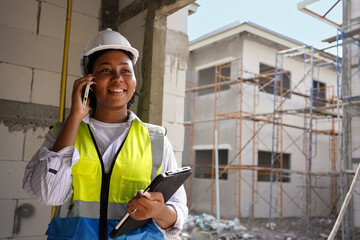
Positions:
(86, 95)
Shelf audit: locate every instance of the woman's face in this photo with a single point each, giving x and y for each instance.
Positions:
(115, 78)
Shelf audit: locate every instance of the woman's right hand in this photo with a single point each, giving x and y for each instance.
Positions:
(77, 108)
(67, 136)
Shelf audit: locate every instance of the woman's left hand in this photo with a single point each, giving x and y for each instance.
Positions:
(145, 205)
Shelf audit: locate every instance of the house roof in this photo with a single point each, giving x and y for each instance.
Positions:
(253, 28)
(238, 27)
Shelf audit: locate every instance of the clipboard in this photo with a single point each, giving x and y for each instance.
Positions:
(167, 183)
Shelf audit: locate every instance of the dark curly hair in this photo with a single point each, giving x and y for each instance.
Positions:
(89, 66)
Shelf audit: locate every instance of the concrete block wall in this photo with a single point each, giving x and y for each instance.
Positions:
(35, 42)
(16, 149)
(31, 46)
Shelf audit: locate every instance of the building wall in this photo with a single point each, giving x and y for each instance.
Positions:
(254, 51)
(204, 108)
(31, 46)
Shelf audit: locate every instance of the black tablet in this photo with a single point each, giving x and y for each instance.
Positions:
(167, 183)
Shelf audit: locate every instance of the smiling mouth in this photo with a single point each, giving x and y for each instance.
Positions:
(117, 90)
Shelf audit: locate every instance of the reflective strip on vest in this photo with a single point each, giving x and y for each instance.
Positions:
(156, 134)
(89, 210)
(138, 162)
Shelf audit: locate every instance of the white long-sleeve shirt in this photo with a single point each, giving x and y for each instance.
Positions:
(48, 177)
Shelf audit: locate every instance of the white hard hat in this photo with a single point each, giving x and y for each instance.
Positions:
(107, 39)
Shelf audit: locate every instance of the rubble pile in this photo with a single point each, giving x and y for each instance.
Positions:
(205, 227)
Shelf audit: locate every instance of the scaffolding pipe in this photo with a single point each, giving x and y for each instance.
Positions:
(239, 141)
(217, 181)
(281, 145)
(310, 144)
(275, 138)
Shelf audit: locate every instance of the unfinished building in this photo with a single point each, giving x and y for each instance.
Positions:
(270, 111)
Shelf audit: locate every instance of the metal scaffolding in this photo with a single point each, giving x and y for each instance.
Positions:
(320, 108)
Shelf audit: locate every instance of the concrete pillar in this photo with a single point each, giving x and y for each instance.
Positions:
(351, 113)
(152, 87)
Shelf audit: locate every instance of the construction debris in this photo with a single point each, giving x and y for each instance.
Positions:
(206, 222)
(205, 227)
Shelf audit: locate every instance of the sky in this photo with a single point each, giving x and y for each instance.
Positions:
(281, 16)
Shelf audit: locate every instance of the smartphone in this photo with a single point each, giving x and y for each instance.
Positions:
(86, 95)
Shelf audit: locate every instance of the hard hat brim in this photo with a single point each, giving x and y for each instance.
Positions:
(84, 57)
(132, 50)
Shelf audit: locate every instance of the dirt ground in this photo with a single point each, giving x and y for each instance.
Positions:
(202, 228)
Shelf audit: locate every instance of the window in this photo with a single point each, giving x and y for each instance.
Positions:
(264, 160)
(203, 160)
(267, 74)
(319, 93)
(207, 76)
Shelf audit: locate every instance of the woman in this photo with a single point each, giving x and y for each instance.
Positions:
(91, 166)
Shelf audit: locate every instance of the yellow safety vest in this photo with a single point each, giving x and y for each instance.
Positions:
(97, 195)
